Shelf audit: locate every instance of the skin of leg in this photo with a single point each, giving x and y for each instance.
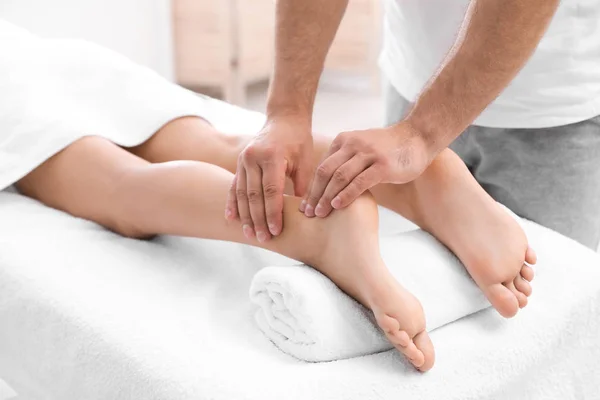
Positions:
(191, 138)
(136, 198)
(445, 201)
(479, 263)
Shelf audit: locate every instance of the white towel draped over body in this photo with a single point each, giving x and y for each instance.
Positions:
(55, 91)
(309, 317)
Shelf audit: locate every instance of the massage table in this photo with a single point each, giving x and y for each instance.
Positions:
(87, 314)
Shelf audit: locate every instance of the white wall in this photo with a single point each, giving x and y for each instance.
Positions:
(139, 29)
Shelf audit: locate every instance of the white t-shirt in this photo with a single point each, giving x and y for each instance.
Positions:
(559, 85)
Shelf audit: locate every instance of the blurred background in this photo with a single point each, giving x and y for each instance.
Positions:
(223, 48)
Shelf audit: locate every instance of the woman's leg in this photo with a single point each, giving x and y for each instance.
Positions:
(192, 138)
(96, 180)
(445, 201)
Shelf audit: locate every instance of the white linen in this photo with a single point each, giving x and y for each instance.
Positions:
(87, 314)
(6, 392)
(55, 91)
(559, 85)
(310, 318)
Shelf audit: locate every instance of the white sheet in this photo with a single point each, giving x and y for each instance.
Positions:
(6, 392)
(308, 317)
(86, 314)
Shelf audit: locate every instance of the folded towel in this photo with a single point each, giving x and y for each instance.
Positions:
(309, 317)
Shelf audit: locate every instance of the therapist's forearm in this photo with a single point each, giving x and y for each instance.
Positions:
(304, 32)
(496, 40)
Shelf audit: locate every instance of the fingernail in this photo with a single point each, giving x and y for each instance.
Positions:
(337, 202)
(261, 236)
(273, 229)
(247, 231)
(227, 214)
(302, 206)
(320, 211)
(309, 212)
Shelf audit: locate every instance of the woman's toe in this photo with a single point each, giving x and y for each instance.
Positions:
(413, 354)
(399, 338)
(522, 285)
(423, 343)
(391, 327)
(530, 256)
(527, 273)
(502, 299)
(521, 298)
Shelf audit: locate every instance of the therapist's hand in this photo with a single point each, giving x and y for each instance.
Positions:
(283, 148)
(359, 160)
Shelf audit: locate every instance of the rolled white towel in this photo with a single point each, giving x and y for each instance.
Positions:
(307, 316)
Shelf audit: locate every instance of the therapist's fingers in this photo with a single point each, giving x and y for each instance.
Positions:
(302, 206)
(321, 178)
(340, 180)
(231, 209)
(273, 186)
(256, 202)
(241, 194)
(333, 148)
(363, 182)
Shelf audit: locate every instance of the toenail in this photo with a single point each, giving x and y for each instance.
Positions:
(247, 231)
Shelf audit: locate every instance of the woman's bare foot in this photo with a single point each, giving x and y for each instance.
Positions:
(452, 206)
(400, 315)
(349, 256)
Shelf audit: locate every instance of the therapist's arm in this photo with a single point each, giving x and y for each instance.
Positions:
(304, 32)
(495, 41)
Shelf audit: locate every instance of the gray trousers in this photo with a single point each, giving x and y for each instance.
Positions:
(548, 175)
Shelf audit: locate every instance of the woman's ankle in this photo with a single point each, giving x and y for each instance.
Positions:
(428, 189)
(347, 240)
